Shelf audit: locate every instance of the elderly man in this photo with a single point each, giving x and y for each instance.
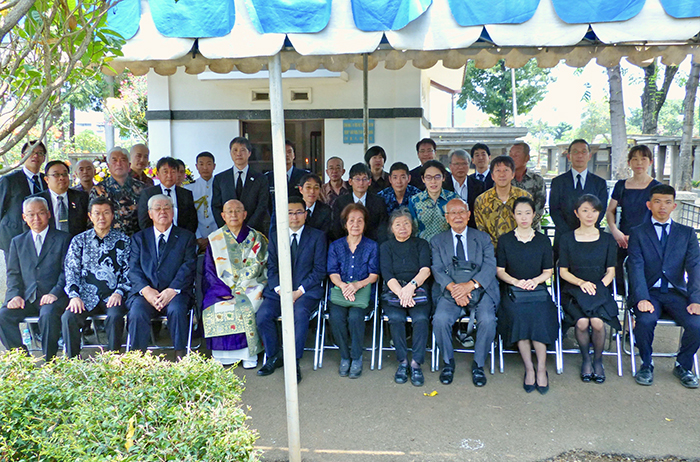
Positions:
(462, 184)
(96, 267)
(528, 180)
(294, 174)
(85, 173)
(162, 266)
(336, 186)
(464, 267)
(122, 190)
(139, 163)
(68, 207)
(375, 158)
(35, 279)
(400, 192)
(481, 156)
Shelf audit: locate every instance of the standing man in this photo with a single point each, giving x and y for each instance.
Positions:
(97, 269)
(308, 247)
(69, 208)
(85, 173)
(181, 172)
(162, 266)
(15, 187)
(462, 184)
(569, 186)
(139, 163)
(528, 180)
(464, 267)
(426, 149)
(336, 186)
(122, 190)
(664, 276)
(294, 174)
(201, 190)
(494, 208)
(185, 215)
(375, 158)
(318, 213)
(481, 156)
(400, 192)
(243, 184)
(35, 279)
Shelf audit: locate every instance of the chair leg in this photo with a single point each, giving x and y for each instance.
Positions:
(189, 334)
(323, 342)
(374, 336)
(632, 356)
(619, 353)
(381, 343)
(500, 353)
(318, 333)
(493, 357)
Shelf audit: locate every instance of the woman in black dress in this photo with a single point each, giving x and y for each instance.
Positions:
(527, 316)
(405, 264)
(587, 259)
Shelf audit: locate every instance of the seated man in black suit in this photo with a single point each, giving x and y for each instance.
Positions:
(183, 202)
(662, 253)
(162, 266)
(35, 279)
(464, 267)
(68, 206)
(359, 182)
(318, 213)
(308, 253)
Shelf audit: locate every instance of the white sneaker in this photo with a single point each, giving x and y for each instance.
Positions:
(250, 364)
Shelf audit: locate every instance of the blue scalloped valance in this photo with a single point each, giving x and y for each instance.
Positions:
(289, 16)
(193, 18)
(591, 11)
(477, 12)
(382, 15)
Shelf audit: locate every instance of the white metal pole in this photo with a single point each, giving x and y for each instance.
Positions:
(365, 100)
(515, 99)
(279, 166)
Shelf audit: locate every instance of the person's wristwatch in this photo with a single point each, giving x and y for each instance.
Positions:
(476, 284)
(414, 283)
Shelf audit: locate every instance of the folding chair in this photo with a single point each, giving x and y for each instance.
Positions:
(435, 352)
(321, 339)
(557, 342)
(665, 320)
(32, 320)
(155, 346)
(384, 324)
(606, 352)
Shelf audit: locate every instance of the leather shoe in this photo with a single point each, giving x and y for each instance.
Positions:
(356, 369)
(645, 375)
(545, 389)
(687, 378)
(529, 388)
(401, 375)
(478, 375)
(448, 372)
(417, 378)
(344, 368)
(270, 365)
(298, 375)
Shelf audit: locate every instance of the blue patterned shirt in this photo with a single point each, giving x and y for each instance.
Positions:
(430, 214)
(353, 266)
(389, 197)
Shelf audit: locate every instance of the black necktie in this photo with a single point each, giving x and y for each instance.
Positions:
(308, 214)
(161, 245)
(579, 185)
(664, 241)
(239, 185)
(461, 256)
(37, 184)
(167, 191)
(62, 215)
(480, 177)
(295, 247)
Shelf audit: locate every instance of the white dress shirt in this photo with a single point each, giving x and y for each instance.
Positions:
(54, 205)
(43, 239)
(173, 197)
(464, 242)
(362, 200)
(584, 175)
(658, 230)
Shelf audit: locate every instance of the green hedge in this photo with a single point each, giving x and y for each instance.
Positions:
(130, 407)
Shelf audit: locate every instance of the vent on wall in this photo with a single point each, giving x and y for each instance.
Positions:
(300, 95)
(261, 95)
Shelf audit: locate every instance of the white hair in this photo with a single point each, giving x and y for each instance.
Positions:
(31, 200)
(117, 149)
(158, 197)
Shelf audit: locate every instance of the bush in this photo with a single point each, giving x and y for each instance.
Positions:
(130, 407)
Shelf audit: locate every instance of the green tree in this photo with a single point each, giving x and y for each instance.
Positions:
(492, 92)
(88, 141)
(128, 111)
(595, 122)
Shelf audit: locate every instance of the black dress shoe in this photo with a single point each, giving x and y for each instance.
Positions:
(298, 374)
(417, 378)
(448, 372)
(270, 365)
(545, 389)
(401, 375)
(478, 375)
(645, 375)
(687, 378)
(529, 388)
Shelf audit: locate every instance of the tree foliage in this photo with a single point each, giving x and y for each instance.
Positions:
(491, 90)
(128, 111)
(595, 123)
(48, 52)
(653, 97)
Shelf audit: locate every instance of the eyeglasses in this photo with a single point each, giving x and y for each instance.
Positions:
(359, 179)
(59, 175)
(433, 177)
(298, 213)
(426, 151)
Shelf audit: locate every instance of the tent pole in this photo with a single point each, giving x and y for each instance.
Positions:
(279, 165)
(365, 101)
(515, 98)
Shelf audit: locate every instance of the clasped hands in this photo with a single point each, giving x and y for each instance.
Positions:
(350, 289)
(526, 284)
(158, 300)
(462, 292)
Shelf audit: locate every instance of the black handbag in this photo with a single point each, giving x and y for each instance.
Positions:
(464, 271)
(539, 294)
(420, 295)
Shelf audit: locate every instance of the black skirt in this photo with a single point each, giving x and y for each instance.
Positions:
(528, 319)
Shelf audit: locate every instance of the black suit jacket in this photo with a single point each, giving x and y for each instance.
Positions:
(647, 263)
(297, 174)
(488, 181)
(562, 197)
(474, 188)
(375, 229)
(29, 274)
(417, 181)
(14, 188)
(186, 211)
(77, 211)
(255, 198)
(321, 218)
(176, 267)
(309, 268)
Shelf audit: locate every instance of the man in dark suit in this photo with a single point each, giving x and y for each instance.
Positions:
(657, 274)
(162, 266)
(426, 149)
(456, 284)
(462, 184)
(569, 186)
(68, 207)
(481, 156)
(294, 174)
(319, 214)
(375, 228)
(183, 202)
(244, 184)
(308, 246)
(15, 187)
(35, 279)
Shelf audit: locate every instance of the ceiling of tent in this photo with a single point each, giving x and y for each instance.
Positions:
(227, 35)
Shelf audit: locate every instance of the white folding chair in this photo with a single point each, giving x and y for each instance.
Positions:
(435, 352)
(384, 325)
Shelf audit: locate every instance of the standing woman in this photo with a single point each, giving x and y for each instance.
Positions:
(353, 266)
(428, 207)
(631, 196)
(405, 263)
(587, 260)
(528, 315)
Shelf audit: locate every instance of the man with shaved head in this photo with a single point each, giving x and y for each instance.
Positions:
(85, 173)
(139, 163)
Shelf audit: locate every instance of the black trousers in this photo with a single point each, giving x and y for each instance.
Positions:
(141, 312)
(49, 325)
(420, 319)
(348, 325)
(71, 323)
(266, 319)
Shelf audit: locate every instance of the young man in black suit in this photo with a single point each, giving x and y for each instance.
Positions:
(664, 276)
(35, 279)
(294, 174)
(481, 157)
(68, 207)
(183, 202)
(244, 184)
